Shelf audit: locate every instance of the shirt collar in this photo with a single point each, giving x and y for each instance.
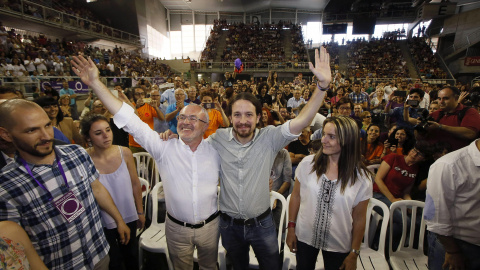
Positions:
(232, 137)
(474, 153)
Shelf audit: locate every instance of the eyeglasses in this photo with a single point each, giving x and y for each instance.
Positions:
(344, 108)
(191, 118)
(368, 116)
(417, 153)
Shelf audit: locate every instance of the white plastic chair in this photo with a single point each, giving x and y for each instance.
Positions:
(290, 258)
(153, 238)
(253, 260)
(144, 183)
(369, 258)
(408, 257)
(145, 170)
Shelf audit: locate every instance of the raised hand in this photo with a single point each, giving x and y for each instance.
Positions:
(85, 69)
(322, 70)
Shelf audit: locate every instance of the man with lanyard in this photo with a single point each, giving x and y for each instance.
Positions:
(189, 169)
(53, 192)
(247, 155)
(169, 94)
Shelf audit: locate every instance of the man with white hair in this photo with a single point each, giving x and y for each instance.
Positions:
(185, 165)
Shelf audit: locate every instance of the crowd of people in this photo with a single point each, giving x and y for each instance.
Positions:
(255, 43)
(424, 59)
(381, 58)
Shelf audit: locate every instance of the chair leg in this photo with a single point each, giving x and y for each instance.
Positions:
(140, 258)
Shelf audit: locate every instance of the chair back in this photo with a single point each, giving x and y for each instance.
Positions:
(372, 222)
(147, 167)
(144, 184)
(416, 208)
(280, 199)
(154, 195)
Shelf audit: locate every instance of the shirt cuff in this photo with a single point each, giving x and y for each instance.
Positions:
(286, 131)
(122, 117)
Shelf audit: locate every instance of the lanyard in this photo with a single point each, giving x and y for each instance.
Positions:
(40, 184)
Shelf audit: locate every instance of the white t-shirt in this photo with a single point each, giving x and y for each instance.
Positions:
(324, 219)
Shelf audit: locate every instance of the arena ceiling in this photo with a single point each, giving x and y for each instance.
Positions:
(243, 5)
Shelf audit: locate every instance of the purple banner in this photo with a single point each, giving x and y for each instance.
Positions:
(77, 86)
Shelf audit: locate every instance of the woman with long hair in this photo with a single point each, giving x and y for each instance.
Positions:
(329, 199)
(119, 176)
(400, 141)
(372, 147)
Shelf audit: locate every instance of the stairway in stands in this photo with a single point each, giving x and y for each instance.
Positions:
(220, 46)
(287, 43)
(412, 71)
(343, 59)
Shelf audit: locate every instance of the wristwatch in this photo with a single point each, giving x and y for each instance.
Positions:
(355, 251)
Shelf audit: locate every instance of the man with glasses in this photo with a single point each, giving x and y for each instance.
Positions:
(174, 109)
(189, 169)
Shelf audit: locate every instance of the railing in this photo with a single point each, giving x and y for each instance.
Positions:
(49, 16)
(430, 81)
(390, 14)
(469, 40)
(249, 66)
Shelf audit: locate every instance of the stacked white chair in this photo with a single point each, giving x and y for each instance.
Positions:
(147, 167)
(144, 183)
(153, 238)
(406, 256)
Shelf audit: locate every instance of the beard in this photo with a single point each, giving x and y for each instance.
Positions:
(33, 150)
(246, 133)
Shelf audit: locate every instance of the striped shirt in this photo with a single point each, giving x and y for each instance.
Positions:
(61, 245)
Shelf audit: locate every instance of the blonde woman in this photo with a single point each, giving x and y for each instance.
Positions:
(328, 205)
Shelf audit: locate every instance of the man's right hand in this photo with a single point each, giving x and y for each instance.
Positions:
(291, 240)
(165, 136)
(454, 261)
(180, 105)
(85, 69)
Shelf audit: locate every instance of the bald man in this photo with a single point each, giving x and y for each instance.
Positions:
(53, 192)
(189, 169)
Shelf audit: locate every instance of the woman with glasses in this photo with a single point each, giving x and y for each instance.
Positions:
(395, 179)
(216, 115)
(329, 201)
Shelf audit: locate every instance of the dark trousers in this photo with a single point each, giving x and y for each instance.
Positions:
(307, 257)
(123, 256)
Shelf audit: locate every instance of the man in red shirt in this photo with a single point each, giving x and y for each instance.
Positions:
(453, 123)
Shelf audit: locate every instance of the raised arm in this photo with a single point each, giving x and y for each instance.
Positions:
(324, 75)
(88, 73)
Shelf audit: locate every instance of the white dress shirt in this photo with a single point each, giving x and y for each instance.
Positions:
(189, 178)
(452, 206)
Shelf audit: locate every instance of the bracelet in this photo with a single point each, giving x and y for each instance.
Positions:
(138, 213)
(293, 221)
(291, 224)
(322, 89)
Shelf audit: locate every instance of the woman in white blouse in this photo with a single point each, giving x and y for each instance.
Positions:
(329, 201)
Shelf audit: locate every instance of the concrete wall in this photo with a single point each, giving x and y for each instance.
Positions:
(151, 13)
(462, 25)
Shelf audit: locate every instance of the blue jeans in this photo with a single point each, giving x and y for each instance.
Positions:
(436, 253)
(262, 236)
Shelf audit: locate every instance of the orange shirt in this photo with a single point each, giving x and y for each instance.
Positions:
(373, 153)
(216, 120)
(146, 113)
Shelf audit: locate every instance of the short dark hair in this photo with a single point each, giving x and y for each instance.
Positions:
(455, 90)
(419, 91)
(356, 83)
(344, 100)
(7, 89)
(248, 97)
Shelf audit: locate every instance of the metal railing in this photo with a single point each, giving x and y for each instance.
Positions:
(469, 40)
(49, 16)
(250, 66)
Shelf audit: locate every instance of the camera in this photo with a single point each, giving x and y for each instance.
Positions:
(209, 105)
(413, 103)
(424, 118)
